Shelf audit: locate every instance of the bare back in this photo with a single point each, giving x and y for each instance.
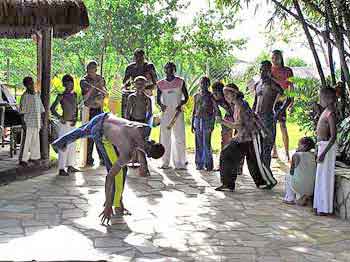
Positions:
(126, 135)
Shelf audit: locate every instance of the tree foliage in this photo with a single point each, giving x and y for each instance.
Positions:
(118, 27)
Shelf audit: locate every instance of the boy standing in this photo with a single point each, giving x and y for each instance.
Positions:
(139, 105)
(326, 153)
(68, 119)
(31, 107)
(203, 120)
(139, 109)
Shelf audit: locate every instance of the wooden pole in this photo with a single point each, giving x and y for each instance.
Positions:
(46, 48)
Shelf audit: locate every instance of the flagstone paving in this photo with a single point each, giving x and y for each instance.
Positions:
(176, 216)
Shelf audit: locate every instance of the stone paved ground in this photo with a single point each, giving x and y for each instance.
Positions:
(177, 216)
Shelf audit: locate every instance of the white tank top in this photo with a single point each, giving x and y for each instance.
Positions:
(171, 92)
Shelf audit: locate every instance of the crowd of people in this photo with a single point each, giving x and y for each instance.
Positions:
(247, 133)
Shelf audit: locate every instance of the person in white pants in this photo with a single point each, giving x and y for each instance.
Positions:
(69, 105)
(31, 109)
(171, 96)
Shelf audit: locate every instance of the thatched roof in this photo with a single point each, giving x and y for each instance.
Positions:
(22, 18)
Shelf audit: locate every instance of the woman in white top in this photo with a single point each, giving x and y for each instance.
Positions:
(299, 184)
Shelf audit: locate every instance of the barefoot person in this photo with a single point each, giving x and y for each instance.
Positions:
(172, 95)
(139, 105)
(31, 109)
(140, 67)
(267, 93)
(69, 105)
(300, 183)
(203, 120)
(282, 75)
(94, 91)
(326, 153)
(117, 140)
(244, 144)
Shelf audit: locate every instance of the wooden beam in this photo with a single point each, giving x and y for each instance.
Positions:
(46, 48)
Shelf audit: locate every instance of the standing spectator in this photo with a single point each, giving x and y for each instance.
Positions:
(326, 153)
(139, 105)
(172, 95)
(282, 75)
(32, 108)
(68, 119)
(94, 91)
(203, 120)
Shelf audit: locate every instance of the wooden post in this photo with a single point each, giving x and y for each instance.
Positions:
(46, 44)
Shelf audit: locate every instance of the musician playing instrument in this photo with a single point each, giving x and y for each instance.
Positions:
(94, 91)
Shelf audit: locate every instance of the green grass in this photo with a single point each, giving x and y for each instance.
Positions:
(293, 130)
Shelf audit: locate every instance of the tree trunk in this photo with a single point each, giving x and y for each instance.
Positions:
(339, 41)
(311, 27)
(330, 53)
(311, 43)
(344, 8)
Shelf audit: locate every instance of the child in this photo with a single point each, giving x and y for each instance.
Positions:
(301, 181)
(139, 109)
(68, 119)
(203, 120)
(31, 108)
(326, 153)
(139, 105)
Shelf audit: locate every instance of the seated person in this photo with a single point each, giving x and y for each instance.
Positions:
(301, 180)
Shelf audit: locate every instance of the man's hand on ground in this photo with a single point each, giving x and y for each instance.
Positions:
(106, 215)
